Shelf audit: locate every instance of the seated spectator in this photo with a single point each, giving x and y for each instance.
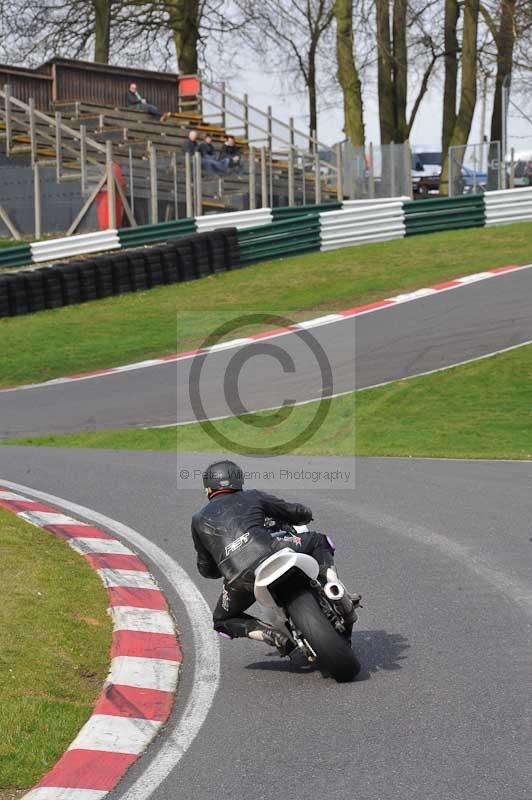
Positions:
(191, 145)
(209, 159)
(231, 157)
(135, 100)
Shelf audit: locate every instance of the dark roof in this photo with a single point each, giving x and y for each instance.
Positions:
(94, 66)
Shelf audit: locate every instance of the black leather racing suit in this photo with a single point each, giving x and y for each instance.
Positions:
(230, 541)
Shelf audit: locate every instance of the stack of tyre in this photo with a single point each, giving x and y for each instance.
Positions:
(136, 270)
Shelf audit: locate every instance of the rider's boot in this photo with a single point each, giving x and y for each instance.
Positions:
(274, 638)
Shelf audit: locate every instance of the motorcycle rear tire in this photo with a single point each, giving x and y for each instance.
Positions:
(334, 653)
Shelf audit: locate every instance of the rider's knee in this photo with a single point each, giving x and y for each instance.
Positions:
(222, 630)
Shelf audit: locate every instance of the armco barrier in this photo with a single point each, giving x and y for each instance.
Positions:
(369, 222)
(236, 219)
(361, 224)
(279, 239)
(444, 214)
(504, 207)
(289, 212)
(181, 259)
(75, 245)
(161, 232)
(16, 256)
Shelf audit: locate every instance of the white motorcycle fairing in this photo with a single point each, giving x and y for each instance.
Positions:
(276, 565)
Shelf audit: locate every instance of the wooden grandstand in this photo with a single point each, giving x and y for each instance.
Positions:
(70, 115)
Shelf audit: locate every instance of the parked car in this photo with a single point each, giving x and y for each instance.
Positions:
(426, 170)
(522, 168)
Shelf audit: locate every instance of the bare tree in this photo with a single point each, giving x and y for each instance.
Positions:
(403, 37)
(124, 31)
(468, 90)
(347, 72)
(290, 32)
(452, 14)
(504, 38)
(102, 30)
(44, 28)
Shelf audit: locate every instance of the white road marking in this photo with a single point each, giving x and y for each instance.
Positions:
(514, 590)
(92, 545)
(56, 793)
(144, 673)
(41, 518)
(348, 391)
(127, 618)
(388, 302)
(180, 734)
(116, 734)
(132, 578)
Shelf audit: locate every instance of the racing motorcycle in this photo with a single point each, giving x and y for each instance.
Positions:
(318, 619)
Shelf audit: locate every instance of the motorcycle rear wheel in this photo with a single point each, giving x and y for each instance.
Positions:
(334, 653)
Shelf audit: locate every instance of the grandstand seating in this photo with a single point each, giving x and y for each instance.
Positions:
(76, 130)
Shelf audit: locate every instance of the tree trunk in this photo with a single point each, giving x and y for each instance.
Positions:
(452, 14)
(384, 73)
(468, 93)
(348, 76)
(505, 48)
(400, 70)
(102, 30)
(311, 90)
(184, 19)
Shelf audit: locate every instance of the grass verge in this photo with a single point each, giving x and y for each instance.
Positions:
(132, 327)
(478, 410)
(54, 649)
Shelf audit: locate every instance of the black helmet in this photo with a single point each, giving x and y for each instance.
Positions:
(223, 475)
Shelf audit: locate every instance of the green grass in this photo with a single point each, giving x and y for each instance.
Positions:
(8, 242)
(136, 326)
(54, 649)
(478, 410)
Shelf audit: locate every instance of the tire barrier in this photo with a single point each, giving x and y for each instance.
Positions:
(70, 283)
(362, 224)
(280, 239)
(420, 216)
(505, 207)
(444, 214)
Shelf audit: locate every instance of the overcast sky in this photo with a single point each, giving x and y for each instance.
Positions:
(264, 90)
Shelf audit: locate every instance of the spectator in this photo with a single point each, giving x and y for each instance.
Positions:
(139, 103)
(231, 157)
(209, 159)
(191, 145)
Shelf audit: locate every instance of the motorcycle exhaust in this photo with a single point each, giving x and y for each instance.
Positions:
(334, 591)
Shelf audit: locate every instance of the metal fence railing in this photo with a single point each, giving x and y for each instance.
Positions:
(475, 168)
(376, 171)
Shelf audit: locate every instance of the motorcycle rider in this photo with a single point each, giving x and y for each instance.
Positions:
(231, 539)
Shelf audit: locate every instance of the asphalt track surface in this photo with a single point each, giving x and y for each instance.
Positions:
(441, 551)
(399, 341)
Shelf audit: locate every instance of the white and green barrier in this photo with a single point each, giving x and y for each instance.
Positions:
(359, 222)
(235, 219)
(512, 205)
(273, 233)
